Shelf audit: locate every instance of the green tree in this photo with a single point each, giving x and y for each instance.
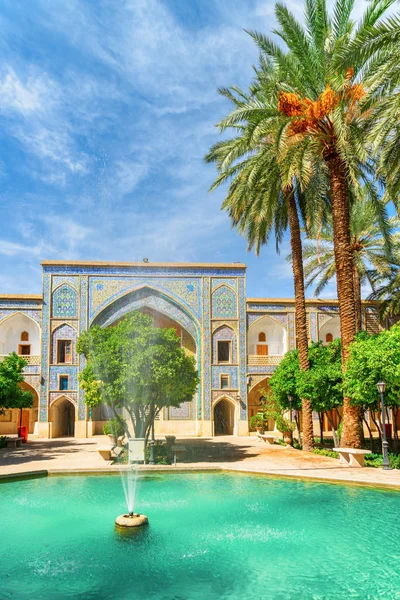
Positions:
(12, 395)
(137, 367)
(370, 245)
(261, 197)
(374, 358)
(325, 104)
(322, 384)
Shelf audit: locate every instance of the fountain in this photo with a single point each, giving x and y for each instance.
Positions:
(129, 482)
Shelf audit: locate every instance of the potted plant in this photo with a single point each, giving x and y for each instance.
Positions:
(257, 422)
(286, 428)
(113, 428)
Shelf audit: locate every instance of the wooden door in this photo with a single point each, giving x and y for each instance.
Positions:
(262, 349)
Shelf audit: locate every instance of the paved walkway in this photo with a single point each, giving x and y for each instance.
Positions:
(246, 454)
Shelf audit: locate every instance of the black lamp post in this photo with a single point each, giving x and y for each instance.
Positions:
(290, 398)
(381, 385)
(152, 441)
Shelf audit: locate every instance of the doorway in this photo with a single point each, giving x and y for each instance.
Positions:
(63, 418)
(224, 418)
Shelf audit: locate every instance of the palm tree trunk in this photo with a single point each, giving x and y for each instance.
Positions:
(300, 311)
(345, 286)
(357, 297)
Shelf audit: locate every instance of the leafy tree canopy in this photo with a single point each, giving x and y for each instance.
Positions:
(373, 358)
(137, 367)
(12, 395)
(321, 384)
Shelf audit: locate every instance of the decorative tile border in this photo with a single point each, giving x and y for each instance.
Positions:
(225, 370)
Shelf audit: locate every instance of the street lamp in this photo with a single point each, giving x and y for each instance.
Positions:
(381, 385)
(290, 398)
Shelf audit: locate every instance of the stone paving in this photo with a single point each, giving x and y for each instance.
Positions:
(246, 454)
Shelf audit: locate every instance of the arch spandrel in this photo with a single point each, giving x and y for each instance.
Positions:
(147, 297)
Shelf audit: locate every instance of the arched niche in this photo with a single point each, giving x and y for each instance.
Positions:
(225, 416)
(62, 417)
(224, 304)
(64, 333)
(328, 329)
(224, 333)
(11, 330)
(64, 302)
(256, 393)
(30, 415)
(274, 334)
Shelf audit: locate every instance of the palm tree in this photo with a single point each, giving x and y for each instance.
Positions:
(325, 105)
(371, 247)
(260, 199)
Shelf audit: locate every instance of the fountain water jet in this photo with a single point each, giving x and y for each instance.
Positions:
(129, 483)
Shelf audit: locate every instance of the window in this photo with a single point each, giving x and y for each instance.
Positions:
(24, 336)
(24, 349)
(224, 382)
(329, 338)
(63, 382)
(262, 337)
(224, 351)
(64, 351)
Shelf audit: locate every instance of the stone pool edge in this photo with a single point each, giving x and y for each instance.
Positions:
(110, 470)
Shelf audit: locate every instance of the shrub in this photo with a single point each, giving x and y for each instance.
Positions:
(325, 452)
(257, 421)
(113, 427)
(3, 441)
(161, 456)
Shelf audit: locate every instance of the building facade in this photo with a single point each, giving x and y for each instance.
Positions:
(237, 342)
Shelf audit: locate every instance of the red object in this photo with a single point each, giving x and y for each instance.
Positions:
(388, 429)
(23, 433)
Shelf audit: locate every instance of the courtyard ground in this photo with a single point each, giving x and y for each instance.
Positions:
(247, 454)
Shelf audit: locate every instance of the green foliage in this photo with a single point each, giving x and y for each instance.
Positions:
(325, 452)
(284, 380)
(12, 395)
(114, 427)
(273, 411)
(137, 367)
(373, 358)
(376, 460)
(257, 421)
(3, 441)
(321, 384)
(161, 454)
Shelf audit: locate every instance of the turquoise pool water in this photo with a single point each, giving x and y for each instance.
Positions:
(211, 536)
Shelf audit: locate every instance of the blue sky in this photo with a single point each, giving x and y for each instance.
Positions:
(107, 108)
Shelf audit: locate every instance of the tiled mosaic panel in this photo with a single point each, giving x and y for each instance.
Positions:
(65, 332)
(206, 350)
(225, 370)
(64, 302)
(186, 291)
(54, 396)
(72, 372)
(224, 305)
(72, 281)
(35, 315)
(242, 349)
(184, 411)
(261, 369)
(313, 326)
(145, 298)
(45, 348)
(216, 282)
(282, 318)
(266, 306)
(82, 327)
(224, 333)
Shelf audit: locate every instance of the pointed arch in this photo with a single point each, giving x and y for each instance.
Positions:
(225, 415)
(63, 411)
(330, 328)
(224, 303)
(64, 332)
(224, 333)
(64, 304)
(147, 296)
(11, 329)
(275, 333)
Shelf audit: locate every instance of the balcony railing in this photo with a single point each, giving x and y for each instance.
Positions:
(31, 359)
(262, 359)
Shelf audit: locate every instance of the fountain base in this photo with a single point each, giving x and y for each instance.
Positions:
(133, 520)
